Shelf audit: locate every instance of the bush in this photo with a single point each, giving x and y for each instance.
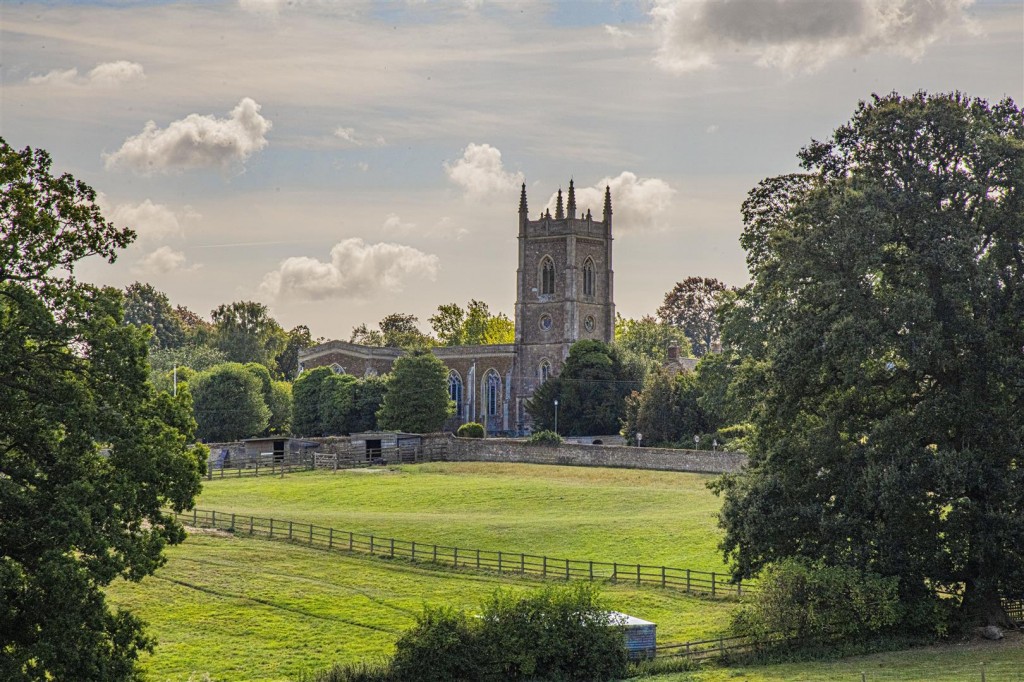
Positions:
(557, 633)
(803, 600)
(549, 438)
(470, 430)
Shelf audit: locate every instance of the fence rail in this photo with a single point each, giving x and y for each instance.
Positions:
(688, 580)
(269, 464)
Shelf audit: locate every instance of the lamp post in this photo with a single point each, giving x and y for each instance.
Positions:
(696, 442)
(639, 439)
(556, 415)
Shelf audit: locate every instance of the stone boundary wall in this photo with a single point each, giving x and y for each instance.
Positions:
(615, 456)
(566, 454)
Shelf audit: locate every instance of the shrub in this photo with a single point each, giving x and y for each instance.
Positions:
(443, 645)
(470, 430)
(803, 600)
(549, 438)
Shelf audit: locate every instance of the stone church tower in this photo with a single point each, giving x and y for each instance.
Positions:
(564, 289)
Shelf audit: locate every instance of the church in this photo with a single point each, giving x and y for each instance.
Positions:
(564, 293)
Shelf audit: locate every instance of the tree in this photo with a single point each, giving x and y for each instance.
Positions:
(591, 390)
(417, 397)
(884, 316)
(369, 396)
(73, 380)
(691, 305)
(474, 326)
(307, 394)
(397, 330)
(245, 332)
(656, 414)
(198, 332)
(298, 338)
(229, 403)
(649, 338)
(145, 305)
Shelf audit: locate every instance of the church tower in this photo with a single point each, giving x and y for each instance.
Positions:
(564, 289)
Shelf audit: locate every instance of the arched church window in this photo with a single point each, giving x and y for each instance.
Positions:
(455, 390)
(547, 278)
(588, 278)
(545, 370)
(493, 392)
(337, 369)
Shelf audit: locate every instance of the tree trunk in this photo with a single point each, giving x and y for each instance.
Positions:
(984, 607)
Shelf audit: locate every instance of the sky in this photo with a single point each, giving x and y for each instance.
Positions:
(340, 161)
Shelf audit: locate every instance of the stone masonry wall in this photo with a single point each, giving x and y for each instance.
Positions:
(617, 456)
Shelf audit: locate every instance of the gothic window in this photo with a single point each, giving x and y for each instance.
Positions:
(547, 277)
(455, 390)
(337, 369)
(545, 371)
(493, 392)
(588, 278)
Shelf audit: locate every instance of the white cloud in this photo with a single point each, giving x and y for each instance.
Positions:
(392, 223)
(195, 141)
(480, 173)
(618, 35)
(161, 261)
(149, 220)
(638, 204)
(356, 269)
(351, 137)
(798, 35)
(108, 74)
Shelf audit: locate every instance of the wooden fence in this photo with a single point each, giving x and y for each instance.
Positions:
(260, 466)
(688, 580)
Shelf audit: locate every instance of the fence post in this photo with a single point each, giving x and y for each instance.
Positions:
(330, 538)
(687, 580)
(591, 571)
(289, 530)
(739, 588)
(195, 517)
(371, 545)
(567, 569)
(271, 527)
(522, 564)
(213, 519)
(351, 541)
(545, 567)
(721, 647)
(251, 519)
(499, 561)
(478, 559)
(311, 533)
(455, 556)
(663, 576)
(713, 580)
(435, 554)
(615, 572)
(392, 548)
(414, 551)
(232, 521)
(638, 575)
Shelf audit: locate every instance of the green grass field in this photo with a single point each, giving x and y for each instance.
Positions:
(239, 608)
(650, 517)
(249, 609)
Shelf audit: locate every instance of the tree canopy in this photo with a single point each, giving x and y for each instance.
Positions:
(245, 332)
(692, 306)
(230, 403)
(591, 390)
(417, 398)
(145, 305)
(886, 320)
(472, 326)
(650, 339)
(397, 330)
(91, 458)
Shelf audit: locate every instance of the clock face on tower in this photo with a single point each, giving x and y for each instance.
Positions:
(545, 322)
(589, 323)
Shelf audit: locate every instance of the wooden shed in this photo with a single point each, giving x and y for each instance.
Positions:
(383, 447)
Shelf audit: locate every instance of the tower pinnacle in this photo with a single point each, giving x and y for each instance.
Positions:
(571, 208)
(522, 200)
(559, 212)
(607, 202)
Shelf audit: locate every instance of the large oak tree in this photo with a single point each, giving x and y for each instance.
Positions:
(886, 315)
(92, 460)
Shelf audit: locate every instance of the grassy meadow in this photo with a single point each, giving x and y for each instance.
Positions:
(629, 516)
(239, 608)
